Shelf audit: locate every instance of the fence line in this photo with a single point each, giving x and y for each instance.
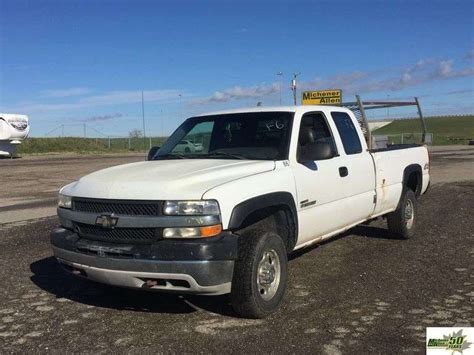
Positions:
(404, 138)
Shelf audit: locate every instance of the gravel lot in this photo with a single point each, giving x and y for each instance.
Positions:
(38, 178)
(361, 292)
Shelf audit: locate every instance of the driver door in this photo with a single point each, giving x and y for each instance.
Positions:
(319, 184)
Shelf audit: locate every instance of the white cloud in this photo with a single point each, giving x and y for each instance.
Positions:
(61, 93)
(238, 93)
(422, 72)
(127, 97)
(111, 98)
(460, 91)
(445, 68)
(101, 118)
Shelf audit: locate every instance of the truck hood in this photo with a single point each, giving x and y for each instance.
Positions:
(164, 179)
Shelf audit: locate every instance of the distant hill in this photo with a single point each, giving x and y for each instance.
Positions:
(445, 130)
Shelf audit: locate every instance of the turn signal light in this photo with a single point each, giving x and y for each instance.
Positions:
(211, 231)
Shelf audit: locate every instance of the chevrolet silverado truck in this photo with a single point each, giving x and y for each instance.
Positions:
(223, 219)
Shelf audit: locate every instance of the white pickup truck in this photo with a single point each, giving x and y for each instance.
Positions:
(223, 219)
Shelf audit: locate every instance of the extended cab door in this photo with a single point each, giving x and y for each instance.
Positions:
(357, 162)
(319, 184)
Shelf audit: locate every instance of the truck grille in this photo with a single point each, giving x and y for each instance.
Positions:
(120, 207)
(118, 235)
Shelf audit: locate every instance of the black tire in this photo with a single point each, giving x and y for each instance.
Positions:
(246, 298)
(187, 150)
(398, 222)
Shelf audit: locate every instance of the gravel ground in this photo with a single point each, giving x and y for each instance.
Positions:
(36, 179)
(362, 292)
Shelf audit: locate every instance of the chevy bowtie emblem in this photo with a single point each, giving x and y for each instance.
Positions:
(106, 221)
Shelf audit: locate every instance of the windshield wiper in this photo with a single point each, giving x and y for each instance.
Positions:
(225, 154)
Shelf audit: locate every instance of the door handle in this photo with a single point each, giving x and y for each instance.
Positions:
(343, 171)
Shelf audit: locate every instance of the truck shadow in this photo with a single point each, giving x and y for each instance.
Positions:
(50, 277)
(371, 232)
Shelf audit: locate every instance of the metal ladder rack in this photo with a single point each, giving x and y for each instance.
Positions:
(359, 107)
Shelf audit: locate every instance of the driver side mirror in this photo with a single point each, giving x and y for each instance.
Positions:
(315, 151)
(152, 152)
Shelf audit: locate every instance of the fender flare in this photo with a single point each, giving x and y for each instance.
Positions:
(247, 207)
(406, 174)
(413, 168)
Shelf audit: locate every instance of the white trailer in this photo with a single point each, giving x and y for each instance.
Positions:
(13, 129)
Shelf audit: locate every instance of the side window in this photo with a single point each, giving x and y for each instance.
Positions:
(313, 129)
(347, 131)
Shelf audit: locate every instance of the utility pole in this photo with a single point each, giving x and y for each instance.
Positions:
(388, 108)
(84, 130)
(280, 74)
(143, 119)
(293, 86)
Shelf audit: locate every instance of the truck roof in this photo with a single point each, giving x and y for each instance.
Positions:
(292, 108)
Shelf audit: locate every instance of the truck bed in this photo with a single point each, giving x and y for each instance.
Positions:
(390, 164)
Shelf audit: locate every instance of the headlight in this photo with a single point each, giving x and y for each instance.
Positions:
(64, 201)
(186, 208)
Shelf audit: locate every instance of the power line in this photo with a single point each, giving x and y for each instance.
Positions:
(280, 74)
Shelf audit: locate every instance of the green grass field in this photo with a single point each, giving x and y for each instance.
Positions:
(86, 145)
(445, 130)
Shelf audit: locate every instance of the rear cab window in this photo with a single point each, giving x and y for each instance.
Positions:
(347, 132)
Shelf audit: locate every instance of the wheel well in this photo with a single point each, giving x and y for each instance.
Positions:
(412, 179)
(413, 182)
(275, 218)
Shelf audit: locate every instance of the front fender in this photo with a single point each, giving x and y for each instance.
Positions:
(247, 207)
(275, 186)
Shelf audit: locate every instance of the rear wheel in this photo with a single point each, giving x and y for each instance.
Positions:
(402, 221)
(260, 274)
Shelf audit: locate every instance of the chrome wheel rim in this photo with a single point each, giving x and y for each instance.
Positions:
(409, 214)
(268, 274)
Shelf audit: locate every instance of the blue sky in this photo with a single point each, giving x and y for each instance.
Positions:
(76, 62)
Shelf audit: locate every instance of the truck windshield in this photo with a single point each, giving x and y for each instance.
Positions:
(253, 135)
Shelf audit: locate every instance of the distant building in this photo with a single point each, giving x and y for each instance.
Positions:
(13, 129)
(373, 125)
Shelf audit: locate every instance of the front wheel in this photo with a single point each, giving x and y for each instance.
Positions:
(260, 274)
(402, 221)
